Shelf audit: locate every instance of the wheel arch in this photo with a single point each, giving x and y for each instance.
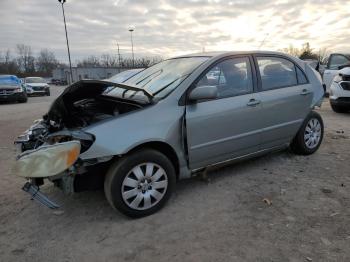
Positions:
(165, 149)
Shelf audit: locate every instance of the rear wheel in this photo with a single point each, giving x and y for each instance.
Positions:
(309, 136)
(140, 184)
(48, 93)
(339, 109)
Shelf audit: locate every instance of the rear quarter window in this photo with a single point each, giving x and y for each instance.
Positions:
(301, 77)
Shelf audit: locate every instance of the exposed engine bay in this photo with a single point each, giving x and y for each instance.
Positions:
(79, 106)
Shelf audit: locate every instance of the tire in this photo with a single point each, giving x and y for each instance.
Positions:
(47, 93)
(339, 109)
(309, 136)
(140, 198)
(23, 100)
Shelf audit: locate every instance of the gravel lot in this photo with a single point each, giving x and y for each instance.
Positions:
(223, 220)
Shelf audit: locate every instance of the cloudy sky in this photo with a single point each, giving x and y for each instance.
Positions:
(173, 27)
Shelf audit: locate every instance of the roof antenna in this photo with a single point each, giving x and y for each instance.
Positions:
(263, 41)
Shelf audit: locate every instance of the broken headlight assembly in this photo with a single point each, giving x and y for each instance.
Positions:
(85, 139)
(47, 160)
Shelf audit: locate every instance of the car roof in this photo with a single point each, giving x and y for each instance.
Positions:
(222, 54)
(228, 53)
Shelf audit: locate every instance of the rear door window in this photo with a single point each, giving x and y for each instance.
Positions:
(276, 72)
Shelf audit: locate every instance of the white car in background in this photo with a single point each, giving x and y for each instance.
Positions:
(36, 86)
(339, 95)
(335, 61)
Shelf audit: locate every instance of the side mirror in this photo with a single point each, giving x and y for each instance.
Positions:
(203, 93)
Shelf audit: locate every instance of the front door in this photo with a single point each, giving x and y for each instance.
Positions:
(226, 127)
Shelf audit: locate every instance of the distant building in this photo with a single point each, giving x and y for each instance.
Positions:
(80, 73)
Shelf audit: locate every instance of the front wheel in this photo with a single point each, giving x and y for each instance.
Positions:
(309, 136)
(140, 184)
(23, 99)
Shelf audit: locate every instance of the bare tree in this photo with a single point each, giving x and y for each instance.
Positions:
(108, 60)
(307, 52)
(46, 62)
(90, 61)
(291, 50)
(25, 58)
(323, 55)
(8, 65)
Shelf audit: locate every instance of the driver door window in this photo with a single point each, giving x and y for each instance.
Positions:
(232, 77)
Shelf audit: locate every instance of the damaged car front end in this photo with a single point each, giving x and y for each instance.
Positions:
(51, 148)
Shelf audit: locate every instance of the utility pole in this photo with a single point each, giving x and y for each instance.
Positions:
(119, 57)
(132, 47)
(65, 28)
(263, 41)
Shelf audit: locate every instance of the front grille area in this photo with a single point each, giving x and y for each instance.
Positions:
(345, 85)
(38, 88)
(5, 92)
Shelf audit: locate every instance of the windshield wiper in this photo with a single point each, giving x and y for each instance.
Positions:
(172, 82)
(143, 79)
(133, 88)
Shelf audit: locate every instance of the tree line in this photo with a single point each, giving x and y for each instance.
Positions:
(24, 63)
(306, 52)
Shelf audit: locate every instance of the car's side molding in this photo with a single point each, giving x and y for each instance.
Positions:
(243, 157)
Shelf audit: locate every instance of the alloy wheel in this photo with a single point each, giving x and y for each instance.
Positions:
(312, 133)
(144, 186)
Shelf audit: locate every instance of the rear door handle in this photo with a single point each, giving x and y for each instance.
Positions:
(305, 92)
(253, 102)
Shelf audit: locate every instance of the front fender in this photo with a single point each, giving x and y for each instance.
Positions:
(158, 123)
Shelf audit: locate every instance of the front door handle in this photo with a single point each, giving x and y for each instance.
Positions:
(305, 92)
(253, 102)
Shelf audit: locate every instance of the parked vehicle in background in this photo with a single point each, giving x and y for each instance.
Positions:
(339, 95)
(124, 75)
(170, 121)
(36, 86)
(58, 82)
(335, 62)
(11, 89)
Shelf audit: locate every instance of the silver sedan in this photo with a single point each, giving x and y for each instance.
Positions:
(169, 122)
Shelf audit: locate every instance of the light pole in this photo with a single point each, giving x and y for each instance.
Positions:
(65, 28)
(132, 47)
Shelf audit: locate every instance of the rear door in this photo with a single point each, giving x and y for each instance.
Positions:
(285, 95)
(226, 127)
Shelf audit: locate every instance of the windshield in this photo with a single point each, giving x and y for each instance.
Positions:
(35, 80)
(121, 77)
(159, 80)
(9, 80)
